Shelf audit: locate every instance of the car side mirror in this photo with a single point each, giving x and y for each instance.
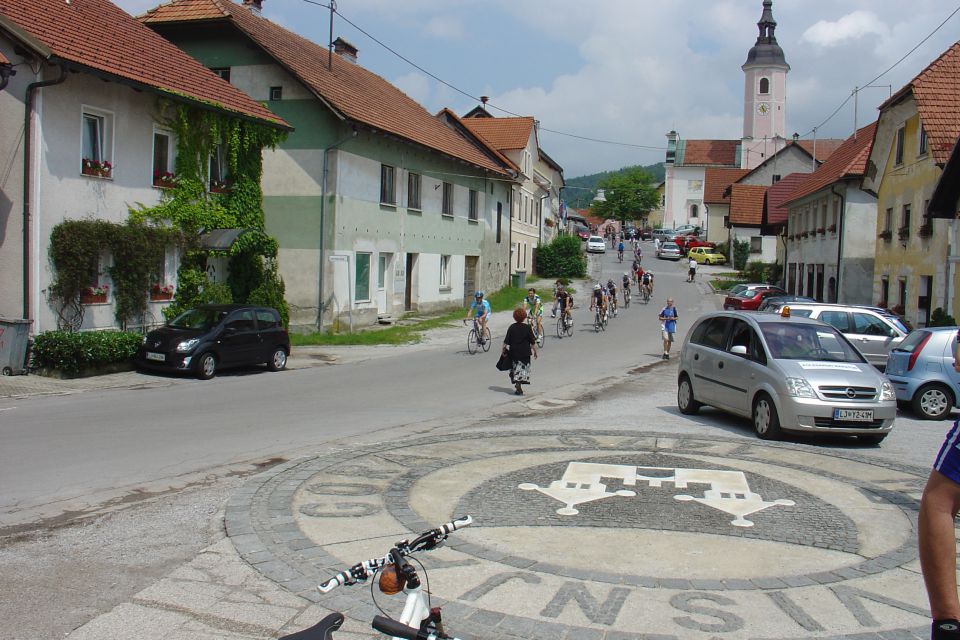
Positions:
(739, 350)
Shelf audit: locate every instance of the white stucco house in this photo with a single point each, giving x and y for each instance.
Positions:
(832, 228)
(80, 131)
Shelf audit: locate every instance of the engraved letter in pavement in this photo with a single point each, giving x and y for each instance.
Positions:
(728, 490)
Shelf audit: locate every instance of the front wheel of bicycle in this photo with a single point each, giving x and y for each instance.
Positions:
(486, 339)
(540, 339)
(568, 325)
(560, 327)
(472, 342)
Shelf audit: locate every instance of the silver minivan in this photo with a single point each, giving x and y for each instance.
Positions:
(787, 374)
(872, 331)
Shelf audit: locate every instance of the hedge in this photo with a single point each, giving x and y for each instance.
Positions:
(562, 258)
(72, 352)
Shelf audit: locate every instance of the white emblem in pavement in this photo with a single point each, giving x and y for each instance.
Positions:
(728, 492)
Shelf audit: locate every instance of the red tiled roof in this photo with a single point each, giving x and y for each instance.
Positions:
(717, 180)
(713, 152)
(779, 193)
(349, 89)
(849, 161)
(937, 92)
(825, 147)
(99, 36)
(445, 112)
(746, 204)
(506, 134)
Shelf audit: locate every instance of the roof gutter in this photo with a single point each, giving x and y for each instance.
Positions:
(28, 179)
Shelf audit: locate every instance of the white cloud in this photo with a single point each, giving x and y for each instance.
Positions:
(852, 26)
(416, 85)
(444, 27)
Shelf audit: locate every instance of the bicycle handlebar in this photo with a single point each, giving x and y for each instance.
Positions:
(424, 542)
(396, 629)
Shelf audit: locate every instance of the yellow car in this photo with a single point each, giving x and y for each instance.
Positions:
(705, 255)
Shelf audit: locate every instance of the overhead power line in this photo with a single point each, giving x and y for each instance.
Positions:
(888, 70)
(467, 94)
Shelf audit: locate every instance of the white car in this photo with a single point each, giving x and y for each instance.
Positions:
(596, 244)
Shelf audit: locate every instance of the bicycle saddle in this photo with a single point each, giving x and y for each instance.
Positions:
(323, 630)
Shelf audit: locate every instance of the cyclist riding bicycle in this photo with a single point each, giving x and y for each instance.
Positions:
(620, 250)
(481, 310)
(599, 299)
(612, 294)
(534, 307)
(564, 301)
(626, 285)
(557, 288)
(646, 281)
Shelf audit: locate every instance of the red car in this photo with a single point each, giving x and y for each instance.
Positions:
(751, 298)
(690, 241)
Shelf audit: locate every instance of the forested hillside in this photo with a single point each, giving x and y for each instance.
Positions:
(586, 186)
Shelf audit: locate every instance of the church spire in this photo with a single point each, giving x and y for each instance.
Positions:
(766, 52)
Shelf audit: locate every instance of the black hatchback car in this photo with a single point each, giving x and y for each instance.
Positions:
(217, 336)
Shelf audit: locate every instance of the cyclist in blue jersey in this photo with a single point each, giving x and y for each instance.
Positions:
(481, 310)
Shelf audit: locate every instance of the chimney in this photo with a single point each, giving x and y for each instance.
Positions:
(255, 6)
(345, 50)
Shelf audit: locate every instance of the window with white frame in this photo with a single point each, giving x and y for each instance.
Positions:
(923, 145)
(223, 72)
(414, 182)
(447, 209)
(96, 143)
(756, 244)
(474, 213)
(219, 168)
(163, 158)
(764, 85)
(276, 93)
(898, 156)
(444, 272)
(388, 184)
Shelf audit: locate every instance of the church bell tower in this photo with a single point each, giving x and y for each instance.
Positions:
(765, 94)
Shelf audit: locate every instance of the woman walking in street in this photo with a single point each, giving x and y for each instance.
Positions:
(519, 344)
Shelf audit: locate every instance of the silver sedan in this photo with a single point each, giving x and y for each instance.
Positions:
(786, 374)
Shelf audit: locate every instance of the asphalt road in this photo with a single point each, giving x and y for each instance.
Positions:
(72, 453)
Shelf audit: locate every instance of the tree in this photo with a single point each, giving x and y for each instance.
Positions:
(627, 196)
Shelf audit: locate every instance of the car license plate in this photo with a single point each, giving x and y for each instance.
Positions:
(159, 357)
(853, 415)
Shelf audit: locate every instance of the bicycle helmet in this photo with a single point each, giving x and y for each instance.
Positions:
(478, 294)
(597, 287)
(626, 274)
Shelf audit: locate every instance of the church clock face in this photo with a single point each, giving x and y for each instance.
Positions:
(763, 108)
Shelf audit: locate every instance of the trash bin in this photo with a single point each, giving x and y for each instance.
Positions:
(14, 337)
(515, 281)
(521, 277)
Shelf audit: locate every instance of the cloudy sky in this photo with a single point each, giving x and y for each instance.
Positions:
(630, 70)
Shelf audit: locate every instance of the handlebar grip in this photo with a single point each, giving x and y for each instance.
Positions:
(397, 629)
(338, 580)
(460, 523)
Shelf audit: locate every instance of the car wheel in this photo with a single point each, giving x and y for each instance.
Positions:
(278, 361)
(766, 423)
(932, 401)
(687, 404)
(207, 366)
(875, 438)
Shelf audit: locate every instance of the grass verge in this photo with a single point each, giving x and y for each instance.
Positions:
(504, 300)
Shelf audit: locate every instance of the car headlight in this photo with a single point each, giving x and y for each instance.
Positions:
(799, 388)
(887, 392)
(188, 345)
